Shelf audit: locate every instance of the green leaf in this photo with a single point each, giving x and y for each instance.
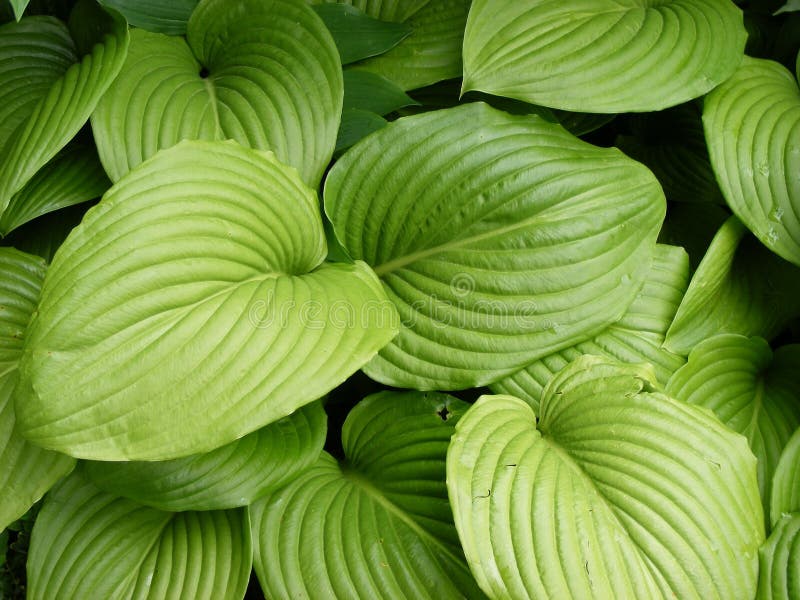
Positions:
(19, 7)
(162, 16)
(48, 92)
(396, 11)
(779, 561)
(433, 50)
(74, 176)
(635, 338)
(357, 35)
(376, 525)
(266, 74)
(578, 123)
(790, 6)
(671, 143)
(500, 238)
(751, 123)
(739, 287)
(26, 471)
(752, 391)
(87, 543)
(356, 124)
(43, 236)
(191, 307)
(234, 475)
(618, 492)
(601, 56)
(786, 482)
(367, 91)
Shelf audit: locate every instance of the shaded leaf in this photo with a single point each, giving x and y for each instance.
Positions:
(356, 124)
(786, 483)
(163, 16)
(368, 91)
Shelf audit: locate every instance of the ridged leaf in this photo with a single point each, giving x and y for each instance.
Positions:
(599, 55)
(779, 577)
(234, 475)
(752, 124)
(618, 492)
(47, 92)
(376, 525)
(751, 390)
(786, 482)
(273, 81)
(191, 307)
(739, 287)
(87, 543)
(635, 338)
(163, 16)
(500, 238)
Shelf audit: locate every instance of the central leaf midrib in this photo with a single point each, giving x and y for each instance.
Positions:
(212, 94)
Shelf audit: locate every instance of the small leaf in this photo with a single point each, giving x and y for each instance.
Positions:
(779, 560)
(618, 492)
(376, 525)
(162, 16)
(367, 91)
(19, 7)
(790, 6)
(786, 483)
(357, 35)
(356, 124)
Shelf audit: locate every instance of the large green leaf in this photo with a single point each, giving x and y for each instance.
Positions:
(752, 124)
(191, 307)
(376, 525)
(433, 50)
(266, 74)
(602, 55)
(786, 483)
(635, 338)
(618, 492)
(739, 287)
(500, 238)
(751, 390)
(779, 577)
(26, 471)
(164, 16)
(87, 543)
(47, 92)
(234, 475)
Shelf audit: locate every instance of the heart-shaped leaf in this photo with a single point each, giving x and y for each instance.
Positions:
(786, 482)
(739, 287)
(191, 307)
(600, 55)
(47, 92)
(751, 390)
(26, 471)
(635, 338)
(617, 492)
(87, 543)
(163, 16)
(751, 123)
(266, 74)
(779, 561)
(376, 525)
(500, 238)
(234, 475)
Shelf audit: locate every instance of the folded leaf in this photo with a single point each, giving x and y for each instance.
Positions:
(739, 287)
(266, 74)
(234, 475)
(618, 492)
(500, 238)
(779, 577)
(751, 123)
(90, 544)
(163, 16)
(751, 390)
(600, 55)
(191, 307)
(786, 482)
(376, 525)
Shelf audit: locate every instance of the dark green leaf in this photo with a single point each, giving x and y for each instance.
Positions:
(369, 91)
(357, 124)
(163, 16)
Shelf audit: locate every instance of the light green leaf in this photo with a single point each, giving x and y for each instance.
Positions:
(433, 50)
(368, 91)
(87, 543)
(191, 307)
(786, 483)
(500, 238)
(359, 36)
(600, 55)
(19, 7)
(396, 11)
(635, 338)
(266, 74)
(163, 16)
(74, 176)
(779, 561)
(376, 525)
(356, 124)
(752, 391)
(47, 92)
(234, 475)
(739, 287)
(26, 471)
(751, 123)
(790, 6)
(618, 492)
